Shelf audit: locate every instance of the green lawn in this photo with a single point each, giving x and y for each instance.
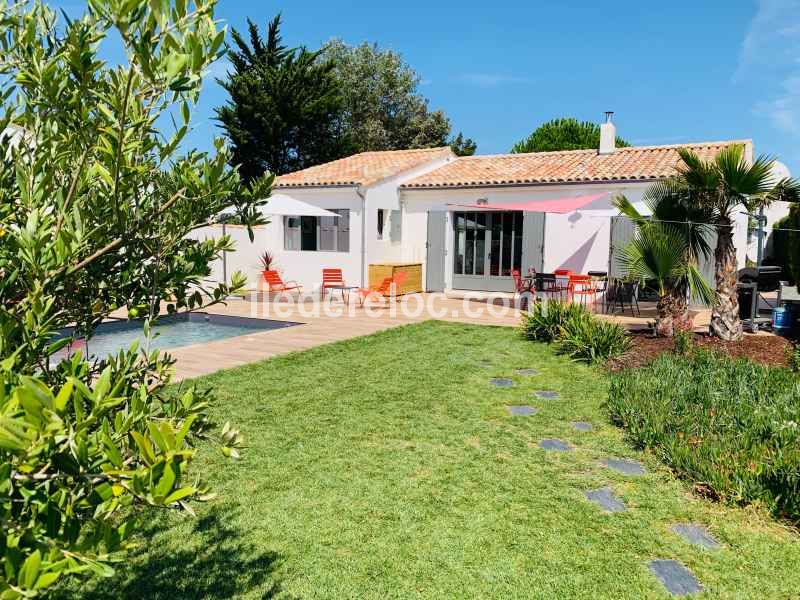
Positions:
(388, 467)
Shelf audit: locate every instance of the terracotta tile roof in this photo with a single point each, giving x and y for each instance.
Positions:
(572, 166)
(364, 169)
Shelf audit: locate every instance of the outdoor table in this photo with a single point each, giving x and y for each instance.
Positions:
(345, 289)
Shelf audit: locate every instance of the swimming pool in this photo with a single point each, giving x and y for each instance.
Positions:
(171, 331)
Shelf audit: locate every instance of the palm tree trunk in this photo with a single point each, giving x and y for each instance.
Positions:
(665, 315)
(725, 322)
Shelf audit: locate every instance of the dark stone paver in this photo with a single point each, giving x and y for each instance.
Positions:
(501, 382)
(678, 580)
(605, 498)
(522, 410)
(526, 372)
(546, 394)
(582, 426)
(697, 535)
(555, 445)
(624, 466)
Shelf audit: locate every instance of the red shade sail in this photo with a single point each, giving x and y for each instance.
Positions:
(554, 205)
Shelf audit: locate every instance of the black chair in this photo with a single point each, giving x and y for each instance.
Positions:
(619, 293)
(547, 284)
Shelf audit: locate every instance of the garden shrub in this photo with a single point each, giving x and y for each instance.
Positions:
(545, 320)
(731, 426)
(587, 338)
(684, 342)
(578, 332)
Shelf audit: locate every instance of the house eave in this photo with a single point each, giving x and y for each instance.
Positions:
(539, 184)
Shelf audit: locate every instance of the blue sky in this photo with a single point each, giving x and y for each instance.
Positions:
(673, 72)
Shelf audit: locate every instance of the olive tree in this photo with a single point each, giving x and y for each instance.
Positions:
(97, 202)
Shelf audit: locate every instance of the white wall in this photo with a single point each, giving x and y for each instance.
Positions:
(304, 267)
(386, 196)
(566, 236)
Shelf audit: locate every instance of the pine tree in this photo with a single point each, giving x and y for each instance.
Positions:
(285, 106)
(563, 134)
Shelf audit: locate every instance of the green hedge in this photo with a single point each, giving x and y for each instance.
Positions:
(731, 426)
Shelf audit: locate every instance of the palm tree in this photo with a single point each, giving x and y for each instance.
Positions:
(716, 189)
(665, 252)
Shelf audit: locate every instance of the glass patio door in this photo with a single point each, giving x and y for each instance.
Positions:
(487, 246)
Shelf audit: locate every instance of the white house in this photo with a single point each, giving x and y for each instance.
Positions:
(434, 208)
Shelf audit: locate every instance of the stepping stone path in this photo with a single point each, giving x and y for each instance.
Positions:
(501, 382)
(626, 467)
(697, 535)
(675, 577)
(522, 411)
(555, 445)
(605, 498)
(678, 580)
(526, 372)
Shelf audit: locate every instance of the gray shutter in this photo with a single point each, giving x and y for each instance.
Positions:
(623, 230)
(434, 262)
(533, 225)
(396, 224)
(291, 233)
(343, 230)
(327, 233)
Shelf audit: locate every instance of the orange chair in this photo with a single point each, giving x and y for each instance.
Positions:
(276, 284)
(582, 286)
(386, 289)
(520, 285)
(331, 278)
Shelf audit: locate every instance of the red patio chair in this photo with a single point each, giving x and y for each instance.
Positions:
(276, 284)
(582, 286)
(331, 278)
(384, 289)
(522, 286)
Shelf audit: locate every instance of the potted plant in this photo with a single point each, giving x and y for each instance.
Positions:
(267, 261)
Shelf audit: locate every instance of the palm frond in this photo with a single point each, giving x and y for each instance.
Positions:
(699, 289)
(696, 174)
(626, 208)
(740, 179)
(785, 190)
(656, 253)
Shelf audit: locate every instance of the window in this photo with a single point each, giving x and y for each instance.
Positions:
(487, 244)
(323, 234)
(381, 217)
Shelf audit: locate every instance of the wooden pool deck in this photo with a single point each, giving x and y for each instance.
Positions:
(317, 328)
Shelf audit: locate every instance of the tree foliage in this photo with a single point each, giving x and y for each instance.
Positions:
(462, 146)
(717, 189)
(285, 106)
(563, 134)
(383, 108)
(786, 245)
(96, 204)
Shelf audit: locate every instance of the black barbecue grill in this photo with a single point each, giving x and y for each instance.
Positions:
(752, 282)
